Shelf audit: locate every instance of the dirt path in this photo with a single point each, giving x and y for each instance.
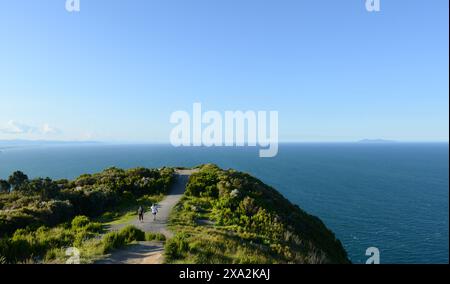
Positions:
(139, 253)
(151, 252)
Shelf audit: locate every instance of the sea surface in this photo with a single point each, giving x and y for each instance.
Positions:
(392, 196)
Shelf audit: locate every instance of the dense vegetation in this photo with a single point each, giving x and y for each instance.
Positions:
(231, 217)
(39, 217)
(225, 216)
(48, 245)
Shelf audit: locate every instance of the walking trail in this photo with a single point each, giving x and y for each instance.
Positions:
(150, 252)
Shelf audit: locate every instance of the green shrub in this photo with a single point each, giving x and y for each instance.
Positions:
(64, 208)
(249, 222)
(82, 236)
(127, 198)
(176, 247)
(203, 183)
(94, 227)
(131, 234)
(154, 236)
(83, 229)
(112, 241)
(127, 235)
(171, 250)
(80, 222)
(14, 251)
(54, 254)
(44, 244)
(160, 237)
(50, 203)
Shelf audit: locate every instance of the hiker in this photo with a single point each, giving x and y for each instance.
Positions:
(154, 211)
(141, 213)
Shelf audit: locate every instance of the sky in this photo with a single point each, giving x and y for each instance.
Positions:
(116, 70)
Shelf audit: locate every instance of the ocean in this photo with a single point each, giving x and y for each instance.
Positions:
(392, 196)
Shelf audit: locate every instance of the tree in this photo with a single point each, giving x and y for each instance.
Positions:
(4, 186)
(49, 189)
(45, 187)
(17, 179)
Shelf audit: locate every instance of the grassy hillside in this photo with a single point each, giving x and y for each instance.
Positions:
(225, 216)
(231, 217)
(40, 217)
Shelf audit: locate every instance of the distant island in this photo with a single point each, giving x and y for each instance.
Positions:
(376, 141)
(206, 215)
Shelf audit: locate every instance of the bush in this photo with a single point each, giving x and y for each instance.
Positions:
(127, 235)
(66, 207)
(203, 183)
(251, 221)
(176, 247)
(43, 243)
(131, 234)
(13, 251)
(28, 245)
(80, 222)
(94, 227)
(53, 254)
(154, 236)
(112, 241)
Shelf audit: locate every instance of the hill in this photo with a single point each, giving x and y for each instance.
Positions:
(231, 217)
(224, 216)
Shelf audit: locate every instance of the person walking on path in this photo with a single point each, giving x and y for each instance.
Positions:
(154, 211)
(141, 213)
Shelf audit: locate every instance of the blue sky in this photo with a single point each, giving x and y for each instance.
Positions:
(119, 68)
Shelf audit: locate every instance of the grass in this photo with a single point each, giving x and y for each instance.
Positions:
(206, 242)
(149, 236)
(90, 250)
(96, 248)
(125, 218)
(128, 211)
(228, 217)
(200, 245)
(37, 222)
(48, 245)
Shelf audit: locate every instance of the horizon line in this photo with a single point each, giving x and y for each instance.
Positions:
(361, 141)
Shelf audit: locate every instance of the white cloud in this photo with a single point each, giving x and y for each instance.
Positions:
(46, 129)
(17, 128)
(13, 127)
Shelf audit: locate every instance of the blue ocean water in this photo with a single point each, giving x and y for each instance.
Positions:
(391, 196)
